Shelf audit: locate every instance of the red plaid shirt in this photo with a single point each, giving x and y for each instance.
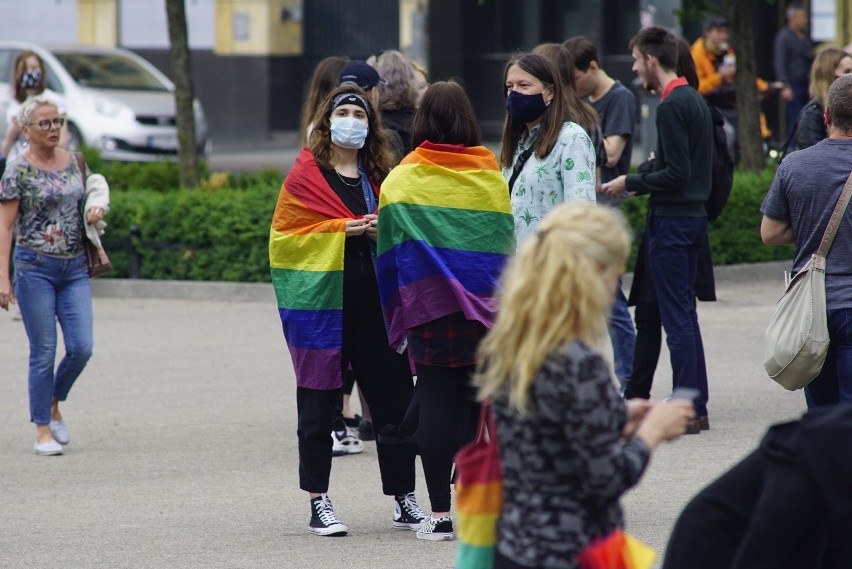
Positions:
(449, 341)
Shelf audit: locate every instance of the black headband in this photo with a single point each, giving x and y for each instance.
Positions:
(350, 99)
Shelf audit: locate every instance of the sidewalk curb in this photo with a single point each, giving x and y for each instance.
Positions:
(263, 292)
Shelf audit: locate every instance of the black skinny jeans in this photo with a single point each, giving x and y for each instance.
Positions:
(448, 415)
(384, 376)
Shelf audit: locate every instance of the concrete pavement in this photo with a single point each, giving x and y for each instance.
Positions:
(183, 450)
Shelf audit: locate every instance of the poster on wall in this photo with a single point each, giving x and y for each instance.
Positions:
(39, 21)
(143, 24)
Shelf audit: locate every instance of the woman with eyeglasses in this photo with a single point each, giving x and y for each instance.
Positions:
(322, 250)
(42, 202)
(29, 80)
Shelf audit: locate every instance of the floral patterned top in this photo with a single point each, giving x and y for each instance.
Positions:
(567, 173)
(50, 216)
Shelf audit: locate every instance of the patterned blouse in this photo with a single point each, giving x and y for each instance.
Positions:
(567, 173)
(50, 216)
(565, 464)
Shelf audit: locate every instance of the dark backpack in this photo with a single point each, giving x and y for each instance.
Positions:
(722, 177)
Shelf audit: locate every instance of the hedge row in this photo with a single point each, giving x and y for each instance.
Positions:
(221, 234)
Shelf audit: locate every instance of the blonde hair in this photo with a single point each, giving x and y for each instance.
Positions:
(822, 72)
(558, 287)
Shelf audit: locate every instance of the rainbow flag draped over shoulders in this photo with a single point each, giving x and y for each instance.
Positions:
(445, 231)
(306, 243)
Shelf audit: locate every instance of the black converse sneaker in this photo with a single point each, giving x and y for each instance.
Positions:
(436, 529)
(406, 513)
(323, 519)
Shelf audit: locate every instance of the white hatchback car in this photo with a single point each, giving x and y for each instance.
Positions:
(116, 101)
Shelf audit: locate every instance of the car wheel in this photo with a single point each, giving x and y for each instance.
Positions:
(75, 139)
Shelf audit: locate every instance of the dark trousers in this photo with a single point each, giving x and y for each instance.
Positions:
(649, 338)
(674, 244)
(448, 415)
(833, 385)
(761, 514)
(385, 380)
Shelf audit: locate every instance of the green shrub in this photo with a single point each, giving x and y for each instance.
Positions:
(735, 236)
(222, 234)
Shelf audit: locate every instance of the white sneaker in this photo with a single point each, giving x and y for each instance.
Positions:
(59, 430)
(51, 448)
(347, 443)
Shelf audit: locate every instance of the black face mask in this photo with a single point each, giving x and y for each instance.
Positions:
(525, 108)
(31, 80)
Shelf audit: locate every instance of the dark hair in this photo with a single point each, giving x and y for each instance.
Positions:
(685, 64)
(659, 43)
(556, 115)
(582, 51)
(583, 112)
(376, 154)
(715, 23)
(20, 68)
(445, 115)
(839, 103)
(322, 82)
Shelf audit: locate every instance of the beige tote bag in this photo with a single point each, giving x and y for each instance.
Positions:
(797, 336)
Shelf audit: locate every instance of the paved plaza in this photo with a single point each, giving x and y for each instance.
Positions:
(183, 450)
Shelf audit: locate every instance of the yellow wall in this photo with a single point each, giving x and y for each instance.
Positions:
(97, 22)
(265, 32)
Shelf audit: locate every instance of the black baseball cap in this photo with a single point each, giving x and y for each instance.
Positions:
(361, 74)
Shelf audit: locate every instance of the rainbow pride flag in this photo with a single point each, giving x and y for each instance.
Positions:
(306, 243)
(618, 550)
(445, 230)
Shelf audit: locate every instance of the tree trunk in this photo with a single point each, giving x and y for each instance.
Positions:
(184, 96)
(748, 107)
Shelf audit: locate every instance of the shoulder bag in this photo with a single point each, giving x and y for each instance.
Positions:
(96, 257)
(479, 496)
(796, 341)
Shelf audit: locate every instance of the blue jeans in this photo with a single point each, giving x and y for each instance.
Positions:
(833, 385)
(51, 289)
(673, 247)
(622, 335)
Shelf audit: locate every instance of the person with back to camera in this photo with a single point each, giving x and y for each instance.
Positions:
(546, 156)
(445, 230)
(42, 200)
(397, 98)
(29, 80)
(321, 251)
(569, 444)
(796, 210)
(810, 127)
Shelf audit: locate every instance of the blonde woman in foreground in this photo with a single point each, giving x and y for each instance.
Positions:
(570, 446)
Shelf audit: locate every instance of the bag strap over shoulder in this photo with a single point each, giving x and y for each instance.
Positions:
(836, 216)
(519, 165)
(81, 163)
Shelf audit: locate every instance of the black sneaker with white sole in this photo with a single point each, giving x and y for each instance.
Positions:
(436, 529)
(406, 513)
(323, 519)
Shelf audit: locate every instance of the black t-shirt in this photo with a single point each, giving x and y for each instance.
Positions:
(348, 190)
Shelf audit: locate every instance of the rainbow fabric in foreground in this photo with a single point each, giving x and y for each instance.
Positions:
(306, 244)
(617, 551)
(445, 230)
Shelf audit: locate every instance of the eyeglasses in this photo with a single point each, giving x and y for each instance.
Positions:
(48, 124)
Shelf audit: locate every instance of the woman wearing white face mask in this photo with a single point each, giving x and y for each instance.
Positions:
(322, 256)
(547, 157)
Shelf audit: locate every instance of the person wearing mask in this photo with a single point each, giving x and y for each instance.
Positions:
(323, 81)
(321, 252)
(546, 156)
(445, 231)
(569, 444)
(43, 205)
